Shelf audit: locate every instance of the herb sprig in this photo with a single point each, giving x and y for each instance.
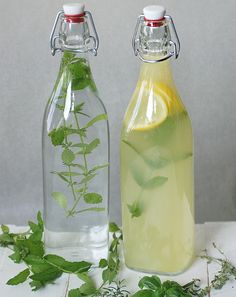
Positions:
(42, 269)
(75, 72)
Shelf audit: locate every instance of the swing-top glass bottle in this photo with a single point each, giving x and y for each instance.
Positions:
(157, 188)
(75, 146)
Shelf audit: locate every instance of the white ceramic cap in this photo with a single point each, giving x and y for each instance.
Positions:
(154, 12)
(73, 8)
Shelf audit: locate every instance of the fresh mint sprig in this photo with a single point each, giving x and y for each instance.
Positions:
(74, 156)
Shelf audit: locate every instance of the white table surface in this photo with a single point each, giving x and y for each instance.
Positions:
(223, 234)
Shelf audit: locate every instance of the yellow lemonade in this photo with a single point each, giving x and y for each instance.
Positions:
(157, 176)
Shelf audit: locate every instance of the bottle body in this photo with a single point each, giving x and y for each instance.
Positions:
(76, 165)
(157, 176)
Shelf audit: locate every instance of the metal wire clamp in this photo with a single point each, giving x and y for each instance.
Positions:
(92, 38)
(174, 47)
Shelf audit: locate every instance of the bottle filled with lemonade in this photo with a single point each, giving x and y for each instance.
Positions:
(157, 182)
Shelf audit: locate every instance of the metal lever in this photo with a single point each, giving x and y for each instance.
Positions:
(135, 42)
(94, 38)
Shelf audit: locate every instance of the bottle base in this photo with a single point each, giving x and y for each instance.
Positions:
(75, 246)
(159, 272)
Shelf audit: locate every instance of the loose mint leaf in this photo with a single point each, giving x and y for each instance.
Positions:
(29, 246)
(5, 229)
(150, 282)
(16, 257)
(40, 220)
(92, 198)
(146, 293)
(57, 136)
(36, 285)
(75, 293)
(19, 278)
(113, 227)
(155, 182)
(6, 239)
(60, 199)
(103, 263)
(135, 209)
(47, 276)
(67, 156)
(108, 275)
(67, 266)
(98, 118)
(88, 288)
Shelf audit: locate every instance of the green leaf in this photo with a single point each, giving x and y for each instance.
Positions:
(108, 275)
(113, 227)
(103, 263)
(98, 118)
(6, 239)
(99, 167)
(70, 173)
(144, 293)
(67, 156)
(150, 282)
(74, 293)
(19, 278)
(155, 182)
(62, 264)
(135, 209)
(47, 276)
(60, 199)
(87, 178)
(36, 285)
(88, 148)
(88, 288)
(5, 229)
(16, 257)
(57, 136)
(78, 107)
(97, 209)
(92, 198)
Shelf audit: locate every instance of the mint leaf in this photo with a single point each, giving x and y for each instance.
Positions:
(135, 209)
(47, 275)
(103, 263)
(98, 118)
(87, 178)
(19, 278)
(99, 167)
(57, 136)
(16, 257)
(60, 199)
(150, 282)
(66, 266)
(6, 239)
(113, 227)
(156, 181)
(75, 293)
(92, 198)
(146, 293)
(67, 156)
(5, 229)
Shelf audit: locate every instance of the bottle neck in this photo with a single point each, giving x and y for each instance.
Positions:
(73, 36)
(156, 72)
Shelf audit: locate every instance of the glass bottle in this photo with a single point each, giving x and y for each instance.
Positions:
(157, 183)
(75, 146)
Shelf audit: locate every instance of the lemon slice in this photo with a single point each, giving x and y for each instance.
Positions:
(160, 102)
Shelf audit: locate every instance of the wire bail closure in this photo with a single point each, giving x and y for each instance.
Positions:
(92, 38)
(174, 45)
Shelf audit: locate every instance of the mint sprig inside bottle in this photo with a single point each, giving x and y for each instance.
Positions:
(157, 157)
(75, 146)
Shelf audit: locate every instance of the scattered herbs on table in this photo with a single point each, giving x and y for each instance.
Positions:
(42, 269)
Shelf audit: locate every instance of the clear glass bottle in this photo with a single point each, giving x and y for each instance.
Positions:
(75, 147)
(157, 183)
